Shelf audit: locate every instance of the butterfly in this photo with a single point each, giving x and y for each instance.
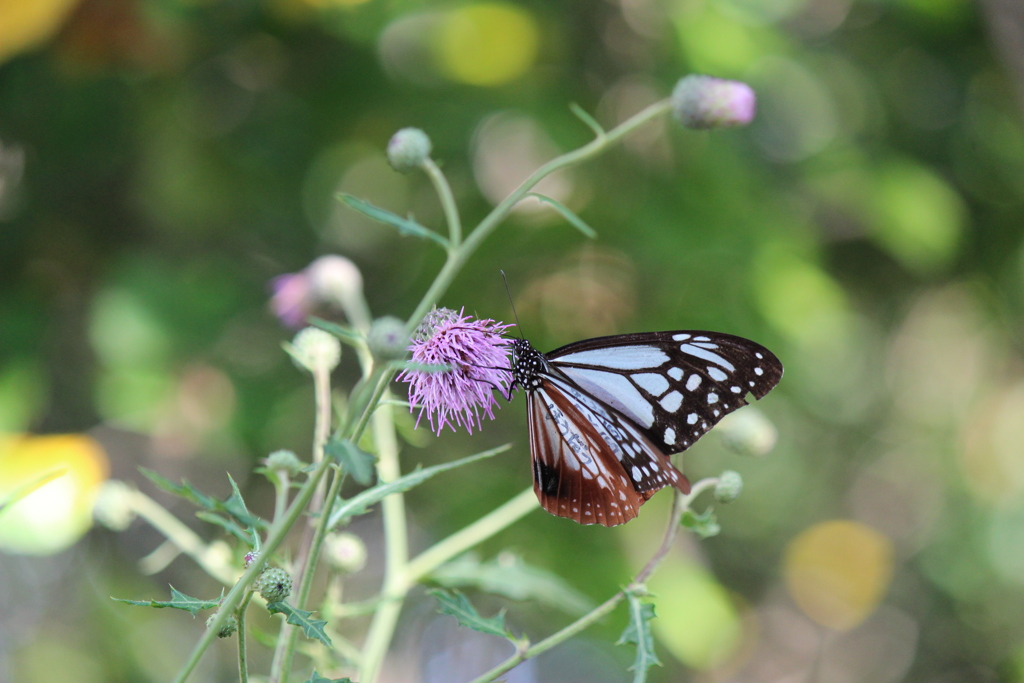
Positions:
(605, 413)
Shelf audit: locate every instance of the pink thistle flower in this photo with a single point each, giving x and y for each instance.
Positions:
(292, 301)
(478, 357)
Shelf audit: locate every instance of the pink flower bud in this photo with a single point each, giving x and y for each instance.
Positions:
(708, 102)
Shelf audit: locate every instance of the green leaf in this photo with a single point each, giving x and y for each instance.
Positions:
(567, 214)
(345, 334)
(458, 605)
(586, 118)
(226, 524)
(233, 506)
(704, 525)
(183, 490)
(361, 503)
(638, 631)
(313, 628)
(509, 576)
(178, 601)
(30, 486)
(317, 678)
(352, 459)
(406, 226)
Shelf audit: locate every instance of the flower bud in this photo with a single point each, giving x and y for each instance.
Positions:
(274, 584)
(345, 552)
(284, 461)
(335, 279)
(433, 320)
(748, 432)
(408, 149)
(229, 626)
(113, 506)
(250, 557)
(729, 486)
(708, 102)
(315, 350)
(387, 338)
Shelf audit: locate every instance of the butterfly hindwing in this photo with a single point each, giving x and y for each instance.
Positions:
(674, 386)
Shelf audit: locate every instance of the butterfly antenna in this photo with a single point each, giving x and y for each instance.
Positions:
(507, 291)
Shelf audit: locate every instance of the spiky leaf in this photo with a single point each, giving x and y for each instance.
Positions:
(313, 628)
(458, 605)
(638, 631)
(405, 226)
(178, 601)
(352, 459)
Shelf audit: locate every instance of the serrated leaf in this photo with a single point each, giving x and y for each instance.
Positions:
(345, 334)
(638, 631)
(178, 601)
(509, 576)
(313, 628)
(405, 226)
(567, 214)
(361, 503)
(704, 525)
(317, 678)
(234, 505)
(459, 606)
(225, 524)
(353, 460)
(183, 490)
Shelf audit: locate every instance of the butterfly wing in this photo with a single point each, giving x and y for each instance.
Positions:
(590, 464)
(674, 386)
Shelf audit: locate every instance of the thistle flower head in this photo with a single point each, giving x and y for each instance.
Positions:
(478, 359)
(709, 102)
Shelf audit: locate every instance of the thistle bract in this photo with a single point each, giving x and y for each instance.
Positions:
(477, 357)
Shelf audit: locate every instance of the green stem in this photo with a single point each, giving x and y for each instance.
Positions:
(276, 536)
(243, 667)
(463, 540)
(458, 257)
(679, 505)
(444, 193)
(396, 550)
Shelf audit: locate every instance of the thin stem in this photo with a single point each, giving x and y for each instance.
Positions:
(444, 193)
(181, 536)
(281, 494)
(458, 257)
(463, 540)
(243, 667)
(276, 536)
(305, 565)
(396, 545)
(679, 505)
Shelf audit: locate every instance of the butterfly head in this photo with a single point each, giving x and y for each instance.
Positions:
(527, 365)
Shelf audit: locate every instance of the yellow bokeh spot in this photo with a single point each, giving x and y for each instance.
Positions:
(696, 619)
(838, 571)
(27, 23)
(56, 514)
(487, 44)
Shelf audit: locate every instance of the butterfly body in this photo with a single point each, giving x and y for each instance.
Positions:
(605, 413)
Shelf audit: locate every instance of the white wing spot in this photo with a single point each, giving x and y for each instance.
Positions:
(672, 401)
(735, 390)
(618, 357)
(691, 418)
(707, 346)
(758, 371)
(646, 472)
(636, 473)
(717, 412)
(675, 373)
(622, 496)
(717, 374)
(759, 355)
(652, 383)
(702, 339)
(693, 382)
(680, 337)
(751, 383)
(670, 436)
(712, 397)
(575, 509)
(704, 354)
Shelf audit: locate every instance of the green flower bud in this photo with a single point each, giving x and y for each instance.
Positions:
(729, 486)
(345, 552)
(274, 584)
(229, 626)
(387, 338)
(315, 350)
(408, 149)
(431, 321)
(748, 432)
(113, 507)
(284, 461)
(708, 102)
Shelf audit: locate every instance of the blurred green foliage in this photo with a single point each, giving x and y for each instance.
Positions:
(162, 160)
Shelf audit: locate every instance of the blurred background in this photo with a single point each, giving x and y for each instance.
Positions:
(161, 161)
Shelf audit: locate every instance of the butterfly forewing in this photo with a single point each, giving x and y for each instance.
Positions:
(674, 386)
